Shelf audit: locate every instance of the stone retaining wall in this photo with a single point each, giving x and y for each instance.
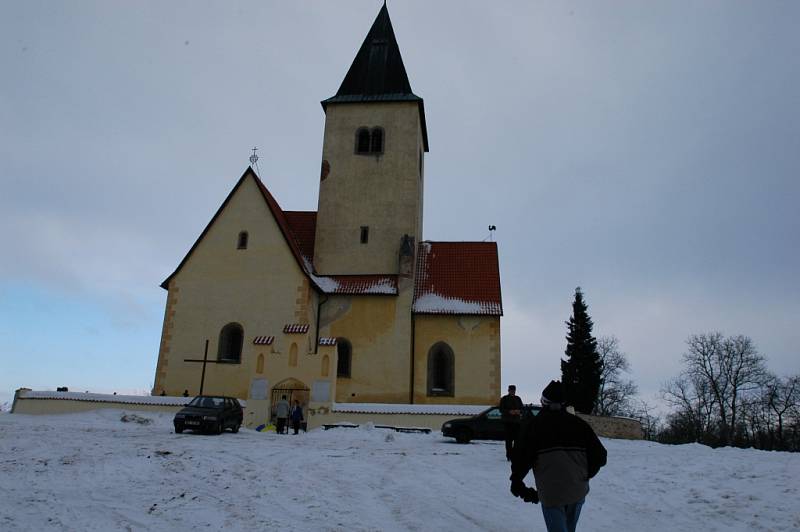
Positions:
(317, 414)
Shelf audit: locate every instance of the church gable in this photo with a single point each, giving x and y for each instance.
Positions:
(246, 205)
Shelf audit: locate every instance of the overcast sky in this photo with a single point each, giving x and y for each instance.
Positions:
(647, 152)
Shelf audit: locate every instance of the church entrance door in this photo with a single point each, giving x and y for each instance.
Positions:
(293, 389)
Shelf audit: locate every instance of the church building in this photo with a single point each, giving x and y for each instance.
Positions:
(348, 303)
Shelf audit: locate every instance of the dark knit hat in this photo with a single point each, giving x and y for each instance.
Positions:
(554, 392)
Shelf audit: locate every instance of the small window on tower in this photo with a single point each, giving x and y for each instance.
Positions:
(362, 140)
(242, 241)
(364, 234)
(377, 140)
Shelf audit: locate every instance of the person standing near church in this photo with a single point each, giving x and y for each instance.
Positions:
(511, 411)
(564, 453)
(296, 416)
(281, 413)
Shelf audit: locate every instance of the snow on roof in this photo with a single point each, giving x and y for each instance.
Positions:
(109, 398)
(436, 304)
(386, 408)
(365, 284)
(326, 284)
(352, 284)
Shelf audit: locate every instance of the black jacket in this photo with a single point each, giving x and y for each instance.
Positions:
(564, 453)
(508, 403)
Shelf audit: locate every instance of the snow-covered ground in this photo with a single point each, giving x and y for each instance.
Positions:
(91, 471)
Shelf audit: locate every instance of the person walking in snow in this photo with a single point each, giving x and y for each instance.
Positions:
(511, 412)
(282, 413)
(564, 453)
(296, 416)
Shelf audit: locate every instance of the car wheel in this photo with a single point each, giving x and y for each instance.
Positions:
(220, 427)
(178, 429)
(235, 428)
(463, 435)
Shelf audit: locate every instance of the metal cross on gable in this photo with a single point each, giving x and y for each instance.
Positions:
(254, 157)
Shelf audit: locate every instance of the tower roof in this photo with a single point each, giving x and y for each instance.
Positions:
(377, 73)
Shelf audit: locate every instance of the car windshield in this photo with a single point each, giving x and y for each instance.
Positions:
(208, 402)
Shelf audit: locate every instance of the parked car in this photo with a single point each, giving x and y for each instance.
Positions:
(210, 413)
(488, 425)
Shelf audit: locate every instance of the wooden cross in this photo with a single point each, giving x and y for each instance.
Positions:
(204, 361)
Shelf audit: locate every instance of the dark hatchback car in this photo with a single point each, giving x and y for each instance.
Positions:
(488, 425)
(210, 413)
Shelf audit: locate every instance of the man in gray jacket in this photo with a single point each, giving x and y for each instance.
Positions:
(564, 453)
(282, 413)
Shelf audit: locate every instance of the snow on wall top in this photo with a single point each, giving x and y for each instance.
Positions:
(109, 398)
(385, 408)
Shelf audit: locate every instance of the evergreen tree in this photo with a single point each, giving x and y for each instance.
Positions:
(582, 370)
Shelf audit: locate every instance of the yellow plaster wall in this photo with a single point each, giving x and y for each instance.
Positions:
(475, 341)
(379, 329)
(262, 288)
(383, 192)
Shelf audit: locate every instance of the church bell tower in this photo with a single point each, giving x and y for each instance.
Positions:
(371, 182)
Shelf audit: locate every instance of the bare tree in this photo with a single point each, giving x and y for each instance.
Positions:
(731, 368)
(694, 407)
(782, 398)
(643, 411)
(615, 393)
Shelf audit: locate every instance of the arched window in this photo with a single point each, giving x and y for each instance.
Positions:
(441, 370)
(369, 142)
(344, 350)
(293, 355)
(230, 343)
(326, 362)
(260, 364)
(241, 243)
(362, 140)
(376, 146)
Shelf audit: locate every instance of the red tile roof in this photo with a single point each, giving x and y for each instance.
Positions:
(458, 278)
(303, 225)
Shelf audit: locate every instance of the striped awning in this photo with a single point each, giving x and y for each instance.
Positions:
(295, 328)
(263, 340)
(325, 340)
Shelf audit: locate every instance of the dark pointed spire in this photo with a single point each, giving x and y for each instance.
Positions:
(377, 73)
(378, 67)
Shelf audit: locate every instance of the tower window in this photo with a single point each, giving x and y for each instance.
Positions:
(362, 141)
(241, 242)
(376, 145)
(364, 234)
(369, 142)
